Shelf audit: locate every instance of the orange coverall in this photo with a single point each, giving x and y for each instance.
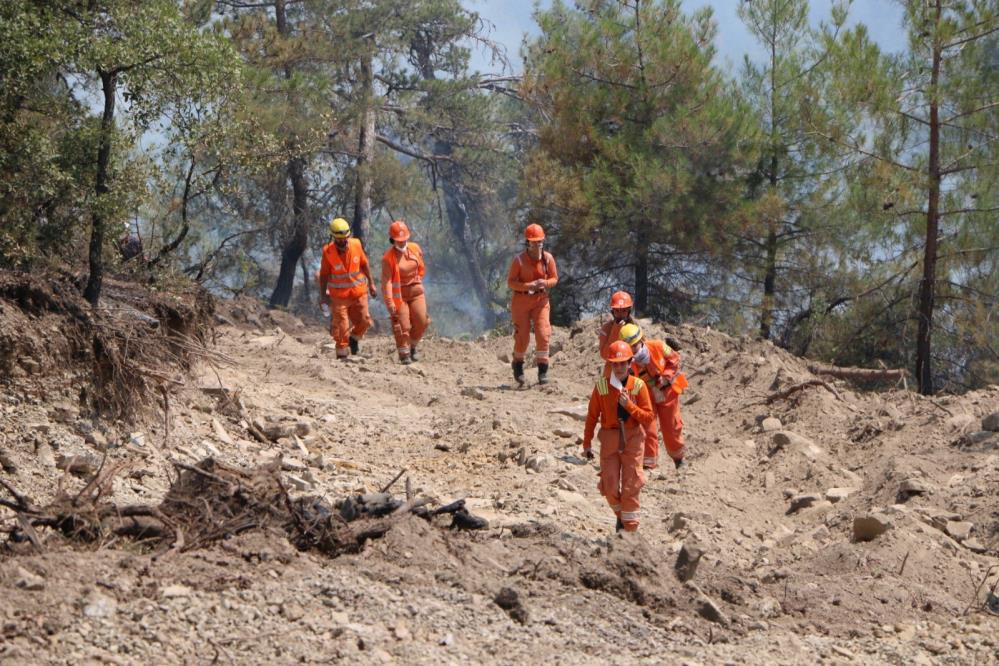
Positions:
(610, 332)
(344, 275)
(402, 286)
(527, 308)
(621, 445)
(659, 373)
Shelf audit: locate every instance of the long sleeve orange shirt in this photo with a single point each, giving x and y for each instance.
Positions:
(604, 402)
(524, 270)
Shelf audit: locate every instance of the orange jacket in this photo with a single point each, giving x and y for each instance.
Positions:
(610, 332)
(345, 274)
(523, 270)
(603, 406)
(664, 362)
(391, 281)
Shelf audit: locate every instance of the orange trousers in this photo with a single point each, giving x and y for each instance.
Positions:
(525, 310)
(621, 475)
(668, 415)
(350, 318)
(411, 320)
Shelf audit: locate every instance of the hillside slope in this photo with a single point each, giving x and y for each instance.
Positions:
(770, 497)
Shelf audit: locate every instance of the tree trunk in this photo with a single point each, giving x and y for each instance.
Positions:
(769, 284)
(366, 154)
(306, 298)
(299, 239)
(927, 287)
(92, 292)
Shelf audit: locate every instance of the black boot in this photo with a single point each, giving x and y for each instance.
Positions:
(619, 526)
(353, 345)
(412, 353)
(542, 373)
(518, 371)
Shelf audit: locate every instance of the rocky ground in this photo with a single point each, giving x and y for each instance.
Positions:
(832, 525)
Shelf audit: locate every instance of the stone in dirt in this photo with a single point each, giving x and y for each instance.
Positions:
(991, 422)
(79, 465)
(687, 560)
(913, 486)
(786, 439)
(176, 591)
(28, 581)
(839, 494)
(771, 424)
(974, 545)
(710, 610)
(472, 392)
(562, 432)
(509, 600)
(96, 439)
(221, 433)
(578, 412)
(870, 526)
(959, 530)
(96, 605)
(799, 502)
(539, 462)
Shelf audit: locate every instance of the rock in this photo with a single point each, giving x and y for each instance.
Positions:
(503, 357)
(63, 412)
(509, 600)
(991, 422)
(961, 423)
(318, 461)
(44, 453)
(176, 591)
(974, 545)
(799, 502)
(96, 605)
(870, 526)
(680, 521)
(221, 433)
(300, 445)
(97, 440)
(472, 392)
(401, 632)
(539, 462)
(959, 530)
(690, 397)
(771, 424)
(447, 640)
(7, 463)
(293, 465)
(913, 486)
(30, 365)
(302, 428)
(299, 483)
(562, 432)
(839, 494)
(769, 607)
(843, 652)
(789, 440)
(292, 611)
(275, 431)
(980, 437)
(687, 560)
(578, 412)
(26, 580)
(710, 610)
(565, 484)
(79, 465)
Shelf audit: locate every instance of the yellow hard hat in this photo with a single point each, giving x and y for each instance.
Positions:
(631, 334)
(340, 228)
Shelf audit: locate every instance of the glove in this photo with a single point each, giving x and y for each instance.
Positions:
(588, 454)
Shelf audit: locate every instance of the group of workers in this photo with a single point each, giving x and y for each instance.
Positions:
(635, 398)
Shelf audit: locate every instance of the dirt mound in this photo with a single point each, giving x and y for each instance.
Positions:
(119, 356)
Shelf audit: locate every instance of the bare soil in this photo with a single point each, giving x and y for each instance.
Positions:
(549, 581)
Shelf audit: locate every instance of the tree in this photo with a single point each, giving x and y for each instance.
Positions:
(794, 175)
(640, 145)
(927, 123)
(154, 58)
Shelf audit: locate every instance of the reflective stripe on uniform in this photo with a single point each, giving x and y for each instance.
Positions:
(631, 515)
(603, 387)
(637, 388)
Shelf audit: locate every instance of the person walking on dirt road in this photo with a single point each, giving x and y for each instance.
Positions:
(532, 273)
(620, 307)
(621, 403)
(659, 365)
(345, 279)
(403, 269)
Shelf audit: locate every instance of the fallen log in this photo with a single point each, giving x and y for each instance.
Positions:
(790, 390)
(859, 374)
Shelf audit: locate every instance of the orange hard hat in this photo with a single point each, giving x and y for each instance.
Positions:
(534, 232)
(620, 299)
(619, 351)
(398, 231)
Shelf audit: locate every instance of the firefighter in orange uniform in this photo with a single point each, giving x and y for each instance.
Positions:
(620, 402)
(345, 279)
(620, 306)
(659, 366)
(403, 269)
(532, 274)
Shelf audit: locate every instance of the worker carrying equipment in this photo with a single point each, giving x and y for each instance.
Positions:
(532, 274)
(620, 402)
(345, 280)
(620, 306)
(659, 366)
(403, 269)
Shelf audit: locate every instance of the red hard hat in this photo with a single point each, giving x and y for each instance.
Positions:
(619, 351)
(398, 231)
(620, 299)
(534, 232)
